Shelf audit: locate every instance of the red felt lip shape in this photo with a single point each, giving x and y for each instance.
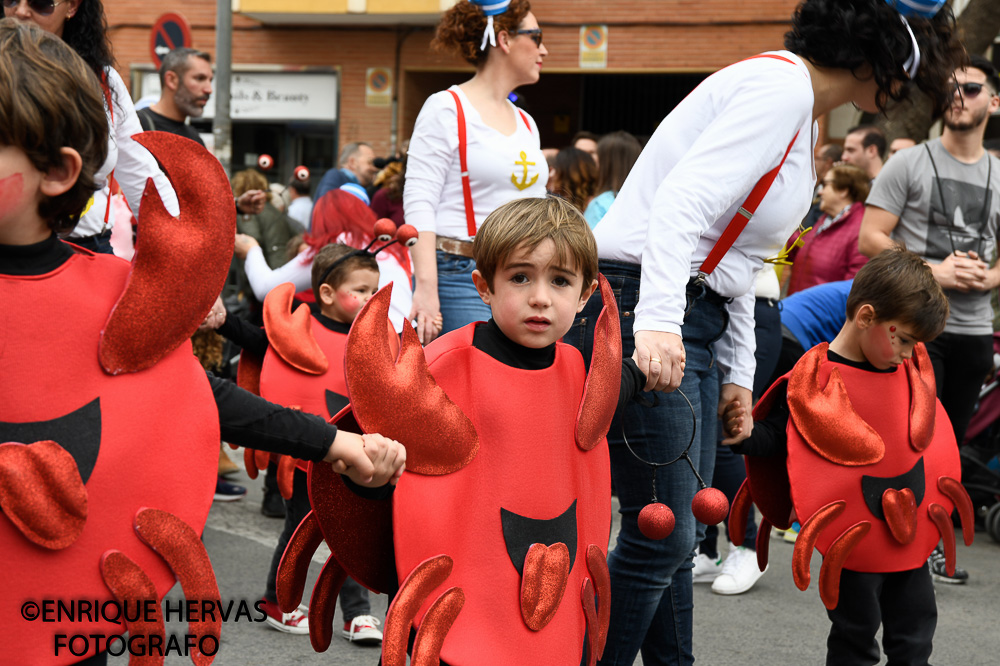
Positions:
(900, 507)
(41, 492)
(546, 572)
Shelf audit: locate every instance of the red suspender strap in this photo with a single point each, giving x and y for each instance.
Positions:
(525, 119)
(749, 207)
(111, 114)
(470, 214)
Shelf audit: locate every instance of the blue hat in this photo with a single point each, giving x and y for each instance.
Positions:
(917, 8)
(490, 8)
(356, 190)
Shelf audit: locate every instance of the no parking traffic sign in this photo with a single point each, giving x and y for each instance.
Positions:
(171, 31)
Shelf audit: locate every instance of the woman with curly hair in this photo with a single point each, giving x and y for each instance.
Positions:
(472, 150)
(690, 325)
(574, 177)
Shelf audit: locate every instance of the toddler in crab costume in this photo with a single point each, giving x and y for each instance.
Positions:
(501, 526)
(95, 361)
(854, 442)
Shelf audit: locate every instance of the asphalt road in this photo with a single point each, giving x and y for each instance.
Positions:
(773, 624)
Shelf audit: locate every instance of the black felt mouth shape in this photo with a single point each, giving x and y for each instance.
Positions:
(79, 432)
(335, 402)
(521, 532)
(873, 487)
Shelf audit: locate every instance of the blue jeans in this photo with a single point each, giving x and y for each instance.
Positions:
(460, 302)
(651, 596)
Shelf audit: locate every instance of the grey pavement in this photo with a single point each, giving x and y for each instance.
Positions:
(773, 624)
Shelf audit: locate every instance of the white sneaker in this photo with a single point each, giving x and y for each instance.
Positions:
(739, 572)
(705, 568)
(363, 630)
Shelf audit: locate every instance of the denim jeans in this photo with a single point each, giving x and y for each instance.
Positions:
(651, 596)
(460, 302)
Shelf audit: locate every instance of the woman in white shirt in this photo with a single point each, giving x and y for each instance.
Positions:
(502, 148)
(689, 327)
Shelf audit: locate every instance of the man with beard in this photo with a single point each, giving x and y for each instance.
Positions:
(942, 200)
(185, 87)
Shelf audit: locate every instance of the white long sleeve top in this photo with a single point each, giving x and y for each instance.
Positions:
(132, 165)
(298, 271)
(501, 168)
(695, 172)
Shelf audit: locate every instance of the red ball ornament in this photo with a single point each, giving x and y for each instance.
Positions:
(710, 506)
(265, 162)
(656, 521)
(301, 173)
(385, 229)
(407, 235)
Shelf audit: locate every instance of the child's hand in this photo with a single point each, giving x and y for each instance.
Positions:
(215, 318)
(368, 460)
(734, 411)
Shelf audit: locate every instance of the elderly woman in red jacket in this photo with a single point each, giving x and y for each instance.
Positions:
(830, 251)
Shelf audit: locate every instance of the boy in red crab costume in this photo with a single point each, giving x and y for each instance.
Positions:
(95, 366)
(500, 527)
(872, 468)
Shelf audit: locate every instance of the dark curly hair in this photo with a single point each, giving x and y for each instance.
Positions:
(87, 33)
(850, 34)
(49, 99)
(461, 29)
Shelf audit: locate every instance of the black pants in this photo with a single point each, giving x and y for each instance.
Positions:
(961, 363)
(902, 602)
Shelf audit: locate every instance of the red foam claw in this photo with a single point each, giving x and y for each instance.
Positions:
(923, 398)
(763, 543)
(942, 520)
(590, 613)
(261, 459)
(833, 563)
(250, 462)
(294, 565)
(185, 553)
(158, 310)
(600, 393)
(435, 626)
(957, 493)
(323, 604)
(815, 409)
(290, 333)
(597, 565)
(806, 541)
(739, 513)
(248, 372)
(439, 438)
(286, 476)
(424, 578)
(41, 492)
(132, 587)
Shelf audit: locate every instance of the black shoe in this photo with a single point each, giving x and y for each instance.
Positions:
(936, 563)
(228, 492)
(272, 506)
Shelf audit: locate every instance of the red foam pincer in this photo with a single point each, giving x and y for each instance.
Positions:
(710, 506)
(385, 229)
(656, 521)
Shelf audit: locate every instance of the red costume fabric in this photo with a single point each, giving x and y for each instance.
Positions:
(147, 439)
(528, 465)
(859, 437)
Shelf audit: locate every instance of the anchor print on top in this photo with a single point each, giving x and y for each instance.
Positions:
(524, 183)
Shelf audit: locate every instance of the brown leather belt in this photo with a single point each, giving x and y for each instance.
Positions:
(454, 246)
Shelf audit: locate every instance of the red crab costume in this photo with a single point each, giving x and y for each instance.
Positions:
(872, 471)
(501, 522)
(108, 421)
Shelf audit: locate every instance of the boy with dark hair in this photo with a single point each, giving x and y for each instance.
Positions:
(82, 495)
(867, 459)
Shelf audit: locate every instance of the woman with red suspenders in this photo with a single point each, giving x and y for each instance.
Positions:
(471, 151)
(676, 245)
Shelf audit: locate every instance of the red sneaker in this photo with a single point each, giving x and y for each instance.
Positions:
(296, 622)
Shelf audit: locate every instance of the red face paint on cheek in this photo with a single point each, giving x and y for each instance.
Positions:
(349, 303)
(11, 191)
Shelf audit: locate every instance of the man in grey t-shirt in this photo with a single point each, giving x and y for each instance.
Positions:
(942, 200)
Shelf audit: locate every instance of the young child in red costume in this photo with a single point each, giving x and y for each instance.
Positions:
(343, 280)
(854, 442)
(505, 513)
(93, 366)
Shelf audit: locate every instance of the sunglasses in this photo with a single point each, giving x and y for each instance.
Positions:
(40, 7)
(534, 33)
(970, 90)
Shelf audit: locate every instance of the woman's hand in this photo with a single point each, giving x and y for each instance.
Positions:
(251, 202)
(215, 318)
(661, 357)
(243, 245)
